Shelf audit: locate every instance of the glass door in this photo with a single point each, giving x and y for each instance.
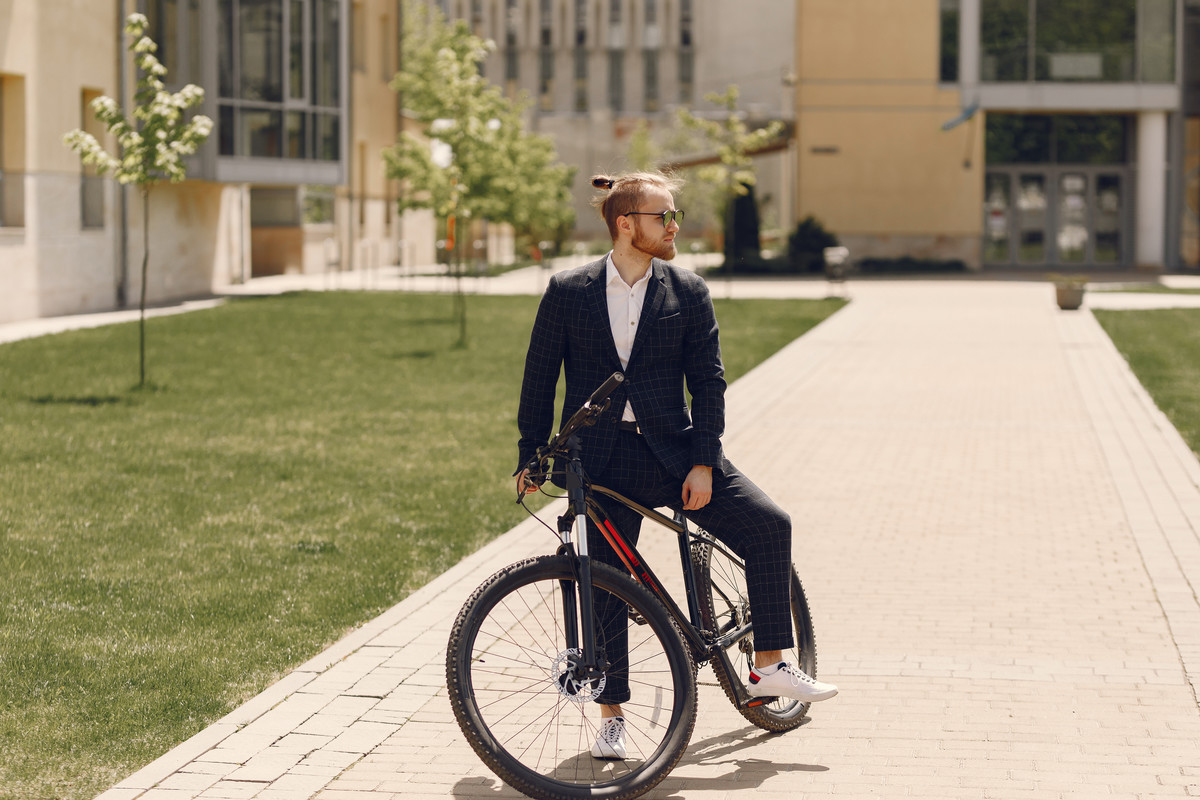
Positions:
(1072, 218)
(1107, 220)
(1031, 219)
(997, 210)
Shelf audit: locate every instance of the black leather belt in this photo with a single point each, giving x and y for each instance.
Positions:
(629, 427)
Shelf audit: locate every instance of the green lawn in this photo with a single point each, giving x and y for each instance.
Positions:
(1163, 349)
(298, 465)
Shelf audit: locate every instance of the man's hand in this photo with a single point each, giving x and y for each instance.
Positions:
(697, 488)
(524, 485)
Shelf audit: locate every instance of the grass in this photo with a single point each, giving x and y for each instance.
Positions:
(1163, 350)
(297, 465)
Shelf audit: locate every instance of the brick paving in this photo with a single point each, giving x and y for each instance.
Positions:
(997, 532)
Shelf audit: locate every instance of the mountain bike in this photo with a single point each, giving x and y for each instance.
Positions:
(527, 656)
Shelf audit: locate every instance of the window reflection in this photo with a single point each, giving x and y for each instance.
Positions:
(1077, 40)
(265, 44)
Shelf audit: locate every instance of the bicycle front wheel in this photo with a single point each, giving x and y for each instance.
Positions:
(724, 607)
(524, 712)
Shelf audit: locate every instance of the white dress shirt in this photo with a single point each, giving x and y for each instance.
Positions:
(624, 315)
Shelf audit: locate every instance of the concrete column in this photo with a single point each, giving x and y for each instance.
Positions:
(968, 48)
(1151, 189)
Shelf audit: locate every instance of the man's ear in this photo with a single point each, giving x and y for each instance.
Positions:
(624, 224)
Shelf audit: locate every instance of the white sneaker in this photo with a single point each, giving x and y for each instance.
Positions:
(610, 741)
(790, 682)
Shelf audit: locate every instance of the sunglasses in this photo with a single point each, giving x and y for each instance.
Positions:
(667, 217)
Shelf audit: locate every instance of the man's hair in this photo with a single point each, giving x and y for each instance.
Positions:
(623, 194)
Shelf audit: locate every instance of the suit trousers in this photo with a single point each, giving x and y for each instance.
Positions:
(739, 514)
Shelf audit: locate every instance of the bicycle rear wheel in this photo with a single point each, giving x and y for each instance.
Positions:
(725, 606)
(508, 675)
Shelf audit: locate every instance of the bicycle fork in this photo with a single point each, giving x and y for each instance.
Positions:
(578, 597)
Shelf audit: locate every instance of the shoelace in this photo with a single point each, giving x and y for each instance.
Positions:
(612, 730)
(797, 676)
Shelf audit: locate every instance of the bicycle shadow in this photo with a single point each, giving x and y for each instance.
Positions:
(715, 751)
(720, 751)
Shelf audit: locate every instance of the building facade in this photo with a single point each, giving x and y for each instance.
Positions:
(1007, 134)
(291, 179)
(596, 70)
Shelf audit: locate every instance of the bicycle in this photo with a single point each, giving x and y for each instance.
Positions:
(521, 669)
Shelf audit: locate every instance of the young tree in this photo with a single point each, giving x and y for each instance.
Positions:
(482, 164)
(151, 146)
(734, 144)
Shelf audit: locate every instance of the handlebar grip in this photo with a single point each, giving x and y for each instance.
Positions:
(606, 388)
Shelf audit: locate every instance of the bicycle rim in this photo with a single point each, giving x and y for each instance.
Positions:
(506, 670)
(725, 606)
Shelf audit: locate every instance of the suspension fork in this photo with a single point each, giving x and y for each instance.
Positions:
(589, 666)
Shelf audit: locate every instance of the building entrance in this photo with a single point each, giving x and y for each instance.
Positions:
(1057, 216)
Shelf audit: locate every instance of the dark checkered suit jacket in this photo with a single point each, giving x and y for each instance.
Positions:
(676, 342)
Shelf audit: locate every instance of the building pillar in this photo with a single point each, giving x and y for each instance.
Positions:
(1151, 189)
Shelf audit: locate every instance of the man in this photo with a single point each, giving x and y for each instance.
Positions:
(634, 312)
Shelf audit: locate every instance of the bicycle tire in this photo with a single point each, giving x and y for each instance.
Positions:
(724, 606)
(504, 674)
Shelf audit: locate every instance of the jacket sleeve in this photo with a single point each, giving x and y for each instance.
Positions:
(705, 376)
(543, 363)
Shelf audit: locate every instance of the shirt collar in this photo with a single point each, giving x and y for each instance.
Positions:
(611, 274)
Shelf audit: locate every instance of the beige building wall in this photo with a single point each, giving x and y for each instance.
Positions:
(369, 232)
(50, 54)
(873, 163)
(55, 57)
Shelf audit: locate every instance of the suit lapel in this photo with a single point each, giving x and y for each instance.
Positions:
(597, 301)
(655, 294)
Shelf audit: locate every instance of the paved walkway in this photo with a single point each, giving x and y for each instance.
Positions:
(998, 534)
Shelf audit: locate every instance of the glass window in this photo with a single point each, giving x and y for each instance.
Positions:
(650, 71)
(1018, 139)
(297, 135)
(296, 72)
(1004, 40)
(687, 57)
(92, 187)
(163, 28)
(273, 207)
(616, 80)
(1156, 42)
(261, 133)
(1091, 139)
(546, 80)
(226, 130)
(651, 34)
(261, 38)
(327, 137)
(581, 80)
(948, 53)
(358, 47)
(1085, 40)
(326, 31)
(226, 69)
(1062, 139)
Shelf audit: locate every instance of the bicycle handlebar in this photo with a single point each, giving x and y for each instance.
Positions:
(587, 414)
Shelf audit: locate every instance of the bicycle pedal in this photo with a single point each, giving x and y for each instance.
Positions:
(636, 618)
(755, 702)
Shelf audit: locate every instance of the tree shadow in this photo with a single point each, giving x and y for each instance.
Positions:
(77, 400)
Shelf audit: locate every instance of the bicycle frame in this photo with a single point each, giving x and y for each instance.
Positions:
(582, 506)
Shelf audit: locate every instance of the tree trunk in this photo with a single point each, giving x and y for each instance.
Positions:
(142, 303)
